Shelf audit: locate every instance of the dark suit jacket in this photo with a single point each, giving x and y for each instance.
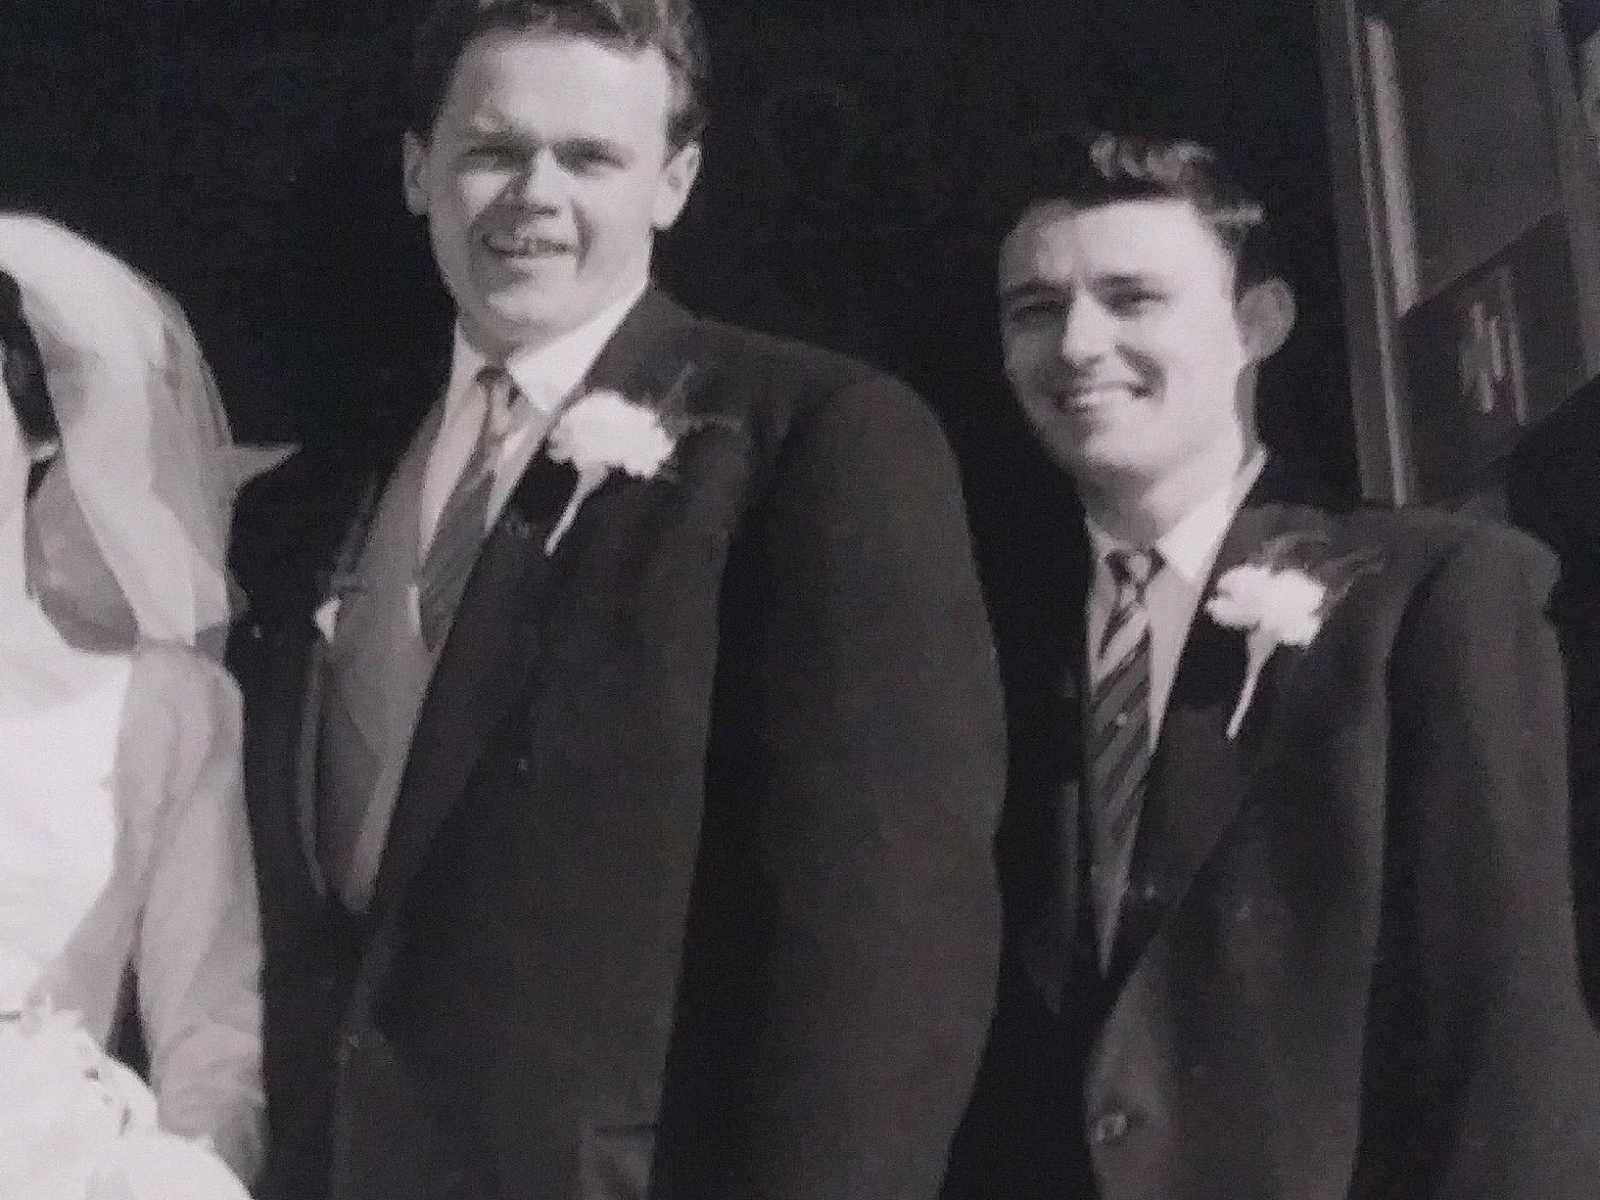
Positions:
(693, 849)
(1346, 964)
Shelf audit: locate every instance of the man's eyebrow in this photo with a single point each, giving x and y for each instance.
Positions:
(1131, 279)
(1031, 287)
(492, 134)
(594, 145)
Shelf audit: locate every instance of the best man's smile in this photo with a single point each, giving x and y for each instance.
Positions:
(1092, 397)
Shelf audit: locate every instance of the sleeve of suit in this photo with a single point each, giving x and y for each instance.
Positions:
(1479, 813)
(841, 965)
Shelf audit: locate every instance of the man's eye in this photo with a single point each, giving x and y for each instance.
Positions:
(491, 156)
(588, 159)
(1033, 311)
(1133, 303)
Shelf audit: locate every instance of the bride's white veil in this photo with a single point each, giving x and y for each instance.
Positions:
(146, 445)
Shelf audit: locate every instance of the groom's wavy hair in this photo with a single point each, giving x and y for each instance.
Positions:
(1088, 168)
(24, 368)
(671, 26)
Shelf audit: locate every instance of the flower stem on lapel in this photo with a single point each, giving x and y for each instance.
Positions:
(590, 477)
(1258, 647)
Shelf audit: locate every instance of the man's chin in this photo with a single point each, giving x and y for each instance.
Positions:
(522, 323)
(529, 316)
(1103, 457)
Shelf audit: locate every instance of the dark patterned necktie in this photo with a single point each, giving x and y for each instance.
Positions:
(442, 577)
(1117, 741)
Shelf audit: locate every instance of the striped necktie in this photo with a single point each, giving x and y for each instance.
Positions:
(1117, 741)
(442, 577)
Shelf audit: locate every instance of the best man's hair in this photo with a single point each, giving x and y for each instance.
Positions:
(671, 26)
(1088, 169)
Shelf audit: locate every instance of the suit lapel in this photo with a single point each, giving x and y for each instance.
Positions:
(1199, 776)
(494, 645)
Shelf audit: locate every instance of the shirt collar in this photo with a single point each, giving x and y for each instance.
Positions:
(548, 373)
(1190, 546)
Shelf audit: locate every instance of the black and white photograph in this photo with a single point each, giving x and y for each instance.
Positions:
(800, 600)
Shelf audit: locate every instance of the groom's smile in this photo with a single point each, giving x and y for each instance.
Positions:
(516, 259)
(529, 248)
(544, 178)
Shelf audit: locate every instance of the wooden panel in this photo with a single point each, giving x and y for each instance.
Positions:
(1479, 130)
(1376, 394)
(1527, 339)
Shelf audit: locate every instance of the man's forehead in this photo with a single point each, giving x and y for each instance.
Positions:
(500, 71)
(1158, 236)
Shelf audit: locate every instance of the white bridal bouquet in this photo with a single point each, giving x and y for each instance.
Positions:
(78, 1125)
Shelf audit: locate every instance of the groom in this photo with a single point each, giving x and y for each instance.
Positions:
(1284, 859)
(626, 810)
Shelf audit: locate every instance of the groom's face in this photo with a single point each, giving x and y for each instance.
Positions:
(544, 180)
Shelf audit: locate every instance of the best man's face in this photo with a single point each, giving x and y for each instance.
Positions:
(544, 180)
(1121, 335)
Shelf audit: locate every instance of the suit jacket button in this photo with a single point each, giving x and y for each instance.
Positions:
(1109, 1127)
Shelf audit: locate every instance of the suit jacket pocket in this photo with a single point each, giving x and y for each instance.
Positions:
(614, 1160)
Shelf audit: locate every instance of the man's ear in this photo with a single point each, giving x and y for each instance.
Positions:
(677, 181)
(414, 160)
(1266, 313)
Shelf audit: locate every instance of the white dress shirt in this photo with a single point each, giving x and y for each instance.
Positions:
(546, 376)
(1188, 550)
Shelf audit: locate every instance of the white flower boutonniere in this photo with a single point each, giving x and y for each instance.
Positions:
(601, 432)
(1280, 598)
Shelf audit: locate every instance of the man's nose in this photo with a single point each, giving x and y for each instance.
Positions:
(538, 184)
(1086, 330)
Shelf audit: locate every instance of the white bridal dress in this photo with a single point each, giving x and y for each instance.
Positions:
(127, 887)
(125, 870)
